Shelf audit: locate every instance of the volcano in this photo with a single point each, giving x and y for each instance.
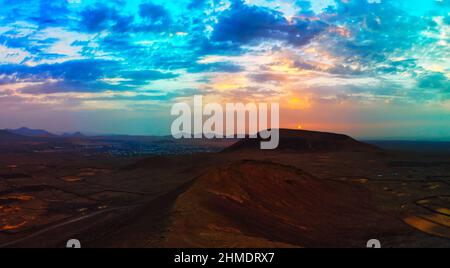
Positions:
(27, 132)
(306, 141)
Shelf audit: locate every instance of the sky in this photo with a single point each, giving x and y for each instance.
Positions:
(368, 68)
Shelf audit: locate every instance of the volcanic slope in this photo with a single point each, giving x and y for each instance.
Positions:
(261, 204)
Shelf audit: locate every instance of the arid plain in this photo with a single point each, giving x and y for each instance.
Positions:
(316, 190)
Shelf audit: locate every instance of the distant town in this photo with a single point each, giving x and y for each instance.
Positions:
(42, 141)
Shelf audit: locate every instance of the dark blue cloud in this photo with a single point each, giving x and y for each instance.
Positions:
(44, 13)
(156, 17)
(254, 23)
(52, 12)
(99, 17)
(153, 12)
(80, 76)
(245, 24)
(142, 34)
(123, 24)
(36, 47)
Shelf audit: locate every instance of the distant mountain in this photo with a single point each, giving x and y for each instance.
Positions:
(6, 136)
(24, 131)
(306, 141)
(73, 135)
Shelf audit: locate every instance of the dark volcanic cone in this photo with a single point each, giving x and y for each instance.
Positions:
(306, 141)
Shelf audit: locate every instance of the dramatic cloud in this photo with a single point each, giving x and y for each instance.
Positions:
(311, 56)
(260, 24)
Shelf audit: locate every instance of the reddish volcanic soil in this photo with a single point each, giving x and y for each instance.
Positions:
(317, 190)
(262, 204)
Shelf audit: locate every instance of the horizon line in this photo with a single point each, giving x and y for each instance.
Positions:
(360, 138)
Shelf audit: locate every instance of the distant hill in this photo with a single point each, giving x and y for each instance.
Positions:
(6, 136)
(24, 131)
(73, 135)
(306, 141)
